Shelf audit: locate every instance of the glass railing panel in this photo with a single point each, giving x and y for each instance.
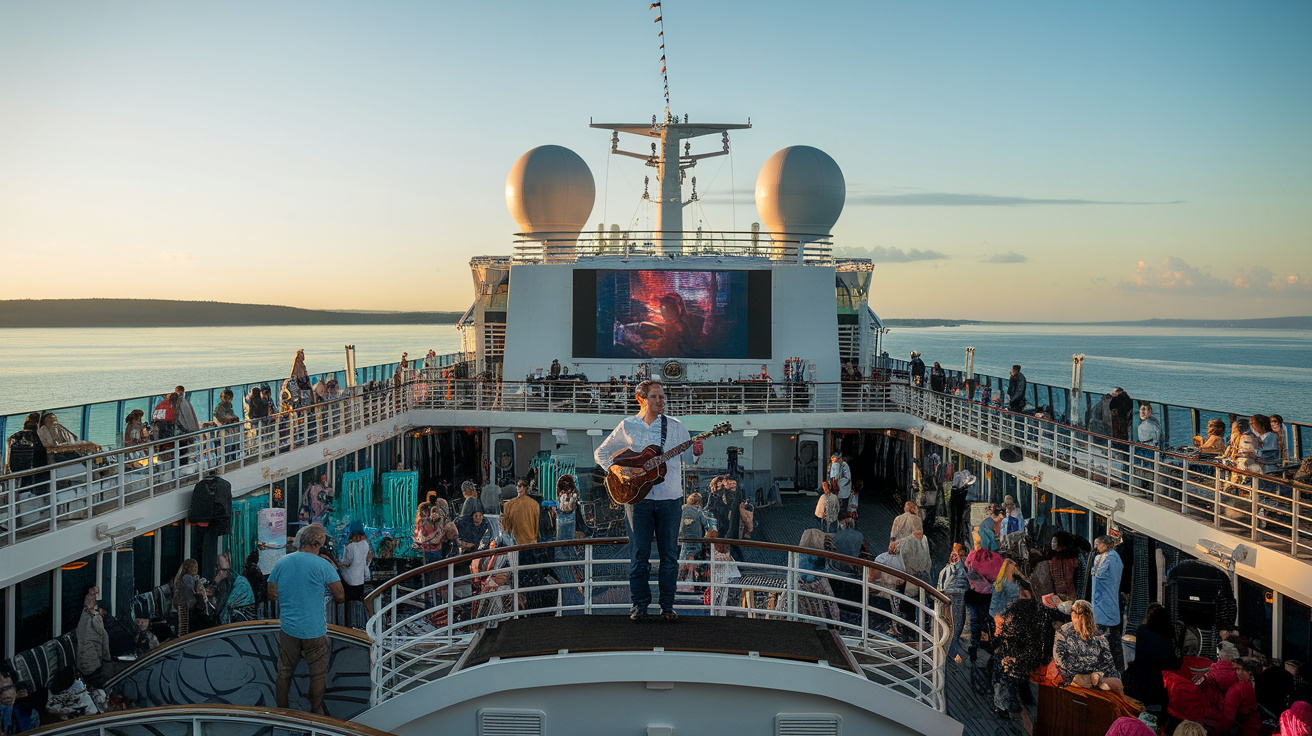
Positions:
(103, 424)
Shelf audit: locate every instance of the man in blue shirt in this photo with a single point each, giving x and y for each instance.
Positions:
(297, 582)
(1107, 595)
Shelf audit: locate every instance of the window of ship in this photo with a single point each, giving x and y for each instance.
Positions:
(170, 540)
(33, 609)
(121, 591)
(143, 562)
(75, 578)
(1298, 626)
(1254, 609)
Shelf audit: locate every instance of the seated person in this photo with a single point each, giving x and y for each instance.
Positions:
(145, 639)
(1084, 658)
(15, 716)
(1213, 443)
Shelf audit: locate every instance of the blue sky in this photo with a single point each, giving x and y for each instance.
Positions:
(1110, 160)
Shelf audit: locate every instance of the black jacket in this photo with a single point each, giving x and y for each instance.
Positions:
(211, 501)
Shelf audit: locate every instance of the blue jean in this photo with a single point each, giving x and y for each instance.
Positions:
(660, 519)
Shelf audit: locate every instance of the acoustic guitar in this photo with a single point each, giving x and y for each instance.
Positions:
(634, 473)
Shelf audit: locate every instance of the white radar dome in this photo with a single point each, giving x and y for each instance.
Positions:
(550, 189)
(800, 190)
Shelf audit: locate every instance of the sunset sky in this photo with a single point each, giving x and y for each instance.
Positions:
(1003, 160)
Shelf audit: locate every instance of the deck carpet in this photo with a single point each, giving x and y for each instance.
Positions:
(528, 637)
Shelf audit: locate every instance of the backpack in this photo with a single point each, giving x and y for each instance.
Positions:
(22, 450)
(163, 412)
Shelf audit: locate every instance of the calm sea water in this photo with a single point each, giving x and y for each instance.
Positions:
(1229, 370)
(46, 368)
(1244, 371)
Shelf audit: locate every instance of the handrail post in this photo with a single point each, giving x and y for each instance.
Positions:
(793, 562)
(587, 580)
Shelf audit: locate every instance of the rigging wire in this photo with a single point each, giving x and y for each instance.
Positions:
(733, 192)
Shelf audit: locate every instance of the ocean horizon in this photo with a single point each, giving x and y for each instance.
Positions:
(1228, 370)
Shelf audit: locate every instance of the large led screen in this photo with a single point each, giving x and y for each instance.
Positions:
(646, 314)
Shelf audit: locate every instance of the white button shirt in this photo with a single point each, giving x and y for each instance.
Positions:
(635, 434)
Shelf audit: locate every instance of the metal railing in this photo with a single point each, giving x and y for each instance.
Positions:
(102, 422)
(207, 720)
(576, 397)
(51, 497)
(425, 620)
(568, 247)
(1269, 510)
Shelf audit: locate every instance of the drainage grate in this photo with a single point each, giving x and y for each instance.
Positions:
(808, 724)
(506, 722)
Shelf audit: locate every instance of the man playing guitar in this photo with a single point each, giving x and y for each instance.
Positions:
(657, 514)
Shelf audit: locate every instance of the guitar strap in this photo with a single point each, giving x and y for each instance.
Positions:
(663, 434)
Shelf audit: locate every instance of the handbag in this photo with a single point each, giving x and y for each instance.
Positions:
(820, 508)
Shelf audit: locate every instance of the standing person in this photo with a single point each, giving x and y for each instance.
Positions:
(187, 421)
(938, 380)
(907, 522)
(840, 479)
(187, 598)
(952, 583)
(94, 662)
(982, 567)
(25, 450)
(826, 510)
(917, 369)
(164, 417)
(724, 505)
(567, 504)
(1278, 428)
(234, 597)
(1120, 407)
(1020, 651)
(223, 411)
(356, 559)
(962, 480)
(1016, 386)
(490, 497)
(1107, 568)
(297, 582)
(658, 514)
(1154, 653)
(1014, 520)
(469, 491)
(257, 405)
(519, 515)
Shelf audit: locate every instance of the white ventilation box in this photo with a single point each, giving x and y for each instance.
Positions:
(808, 724)
(509, 722)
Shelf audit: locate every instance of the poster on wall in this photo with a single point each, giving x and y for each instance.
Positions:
(671, 314)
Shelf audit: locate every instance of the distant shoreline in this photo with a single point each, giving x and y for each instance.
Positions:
(1268, 323)
(55, 313)
(92, 313)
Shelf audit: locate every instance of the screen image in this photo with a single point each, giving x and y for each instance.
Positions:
(646, 314)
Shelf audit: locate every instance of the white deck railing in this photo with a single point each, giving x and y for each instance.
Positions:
(425, 620)
(1271, 511)
(207, 720)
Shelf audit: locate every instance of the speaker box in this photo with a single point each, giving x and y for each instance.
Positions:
(1010, 454)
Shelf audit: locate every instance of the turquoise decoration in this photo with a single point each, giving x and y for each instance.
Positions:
(400, 501)
(549, 469)
(245, 527)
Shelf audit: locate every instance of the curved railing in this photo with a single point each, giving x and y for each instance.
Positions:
(1271, 511)
(424, 621)
(203, 720)
(238, 664)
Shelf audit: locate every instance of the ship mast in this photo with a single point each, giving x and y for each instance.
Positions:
(665, 157)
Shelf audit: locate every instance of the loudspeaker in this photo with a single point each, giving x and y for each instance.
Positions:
(1011, 454)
